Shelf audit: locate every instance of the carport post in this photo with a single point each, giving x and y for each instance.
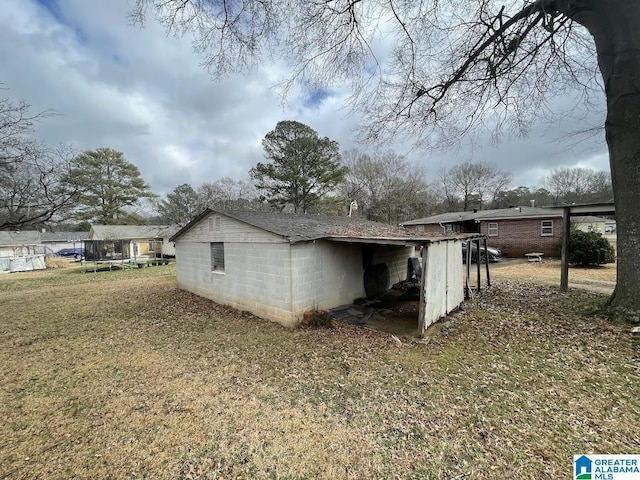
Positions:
(478, 256)
(422, 308)
(486, 261)
(467, 289)
(564, 258)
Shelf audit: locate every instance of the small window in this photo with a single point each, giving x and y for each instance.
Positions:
(547, 228)
(420, 228)
(151, 245)
(492, 230)
(217, 257)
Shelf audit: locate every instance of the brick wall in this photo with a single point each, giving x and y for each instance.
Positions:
(517, 237)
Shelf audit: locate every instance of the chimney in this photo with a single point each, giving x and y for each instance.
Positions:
(532, 202)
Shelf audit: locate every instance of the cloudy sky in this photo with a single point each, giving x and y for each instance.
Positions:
(144, 93)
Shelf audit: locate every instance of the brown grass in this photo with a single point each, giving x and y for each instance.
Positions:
(54, 261)
(120, 375)
(601, 279)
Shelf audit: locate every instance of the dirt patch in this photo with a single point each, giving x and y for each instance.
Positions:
(392, 313)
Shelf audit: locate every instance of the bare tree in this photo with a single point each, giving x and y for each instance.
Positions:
(455, 65)
(578, 185)
(31, 191)
(473, 185)
(228, 194)
(387, 187)
(16, 128)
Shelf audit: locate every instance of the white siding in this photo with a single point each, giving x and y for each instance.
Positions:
(168, 248)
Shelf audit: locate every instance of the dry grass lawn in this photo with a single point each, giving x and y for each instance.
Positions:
(120, 375)
(548, 272)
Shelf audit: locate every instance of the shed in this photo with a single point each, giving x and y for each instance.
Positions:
(277, 266)
(20, 251)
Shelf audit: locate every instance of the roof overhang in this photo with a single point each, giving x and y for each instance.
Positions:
(520, 217)
(608, 208)
(402, 241)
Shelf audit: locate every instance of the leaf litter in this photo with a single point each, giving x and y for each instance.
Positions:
(166, 384)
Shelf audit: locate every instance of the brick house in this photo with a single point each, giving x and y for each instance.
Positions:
(515, 231)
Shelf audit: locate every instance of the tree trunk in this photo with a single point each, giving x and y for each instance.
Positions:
(615, 26)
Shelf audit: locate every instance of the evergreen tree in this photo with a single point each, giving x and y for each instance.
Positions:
(111, 185)
(303, 167)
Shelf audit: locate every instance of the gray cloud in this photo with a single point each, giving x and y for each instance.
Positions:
(146, 94)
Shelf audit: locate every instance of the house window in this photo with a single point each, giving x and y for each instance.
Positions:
(492, 229)
(547, 228)
(420, 228)
(151, 245)
(217, 257)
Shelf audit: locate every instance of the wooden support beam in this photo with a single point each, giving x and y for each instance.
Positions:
(486, 261)
(564, 261)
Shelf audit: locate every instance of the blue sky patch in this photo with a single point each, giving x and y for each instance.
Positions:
(316, 97)
(53, 8)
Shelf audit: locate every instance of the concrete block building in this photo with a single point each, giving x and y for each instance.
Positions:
(277, 266)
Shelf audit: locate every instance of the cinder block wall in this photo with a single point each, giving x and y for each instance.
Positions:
(396, 258)
(325, 275)
(517, 237)
(256, 277)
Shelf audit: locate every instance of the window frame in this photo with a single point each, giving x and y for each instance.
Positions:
(490, 226)
(543, 227)
(217, 258)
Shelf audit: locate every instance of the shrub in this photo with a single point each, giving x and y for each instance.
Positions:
(322, 319)
(54, 261)
(590, 248)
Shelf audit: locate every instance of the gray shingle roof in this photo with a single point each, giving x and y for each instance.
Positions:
(495, 214)
(16, 238)
(588, 219)
(128, 232)
(443, 218)
(299, 228)
(63, 236)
